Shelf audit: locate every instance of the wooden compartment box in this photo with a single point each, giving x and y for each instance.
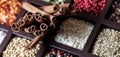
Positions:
(100, 22)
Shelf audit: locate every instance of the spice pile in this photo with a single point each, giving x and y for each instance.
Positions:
(8, 11)
(57, 53)
(92, 7)
(74, 33)
(115, 17)
(107, 44)
(16, 48)
(2, 36)
(55, 1)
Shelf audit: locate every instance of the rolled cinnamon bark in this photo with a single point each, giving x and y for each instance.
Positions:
(30, 17)
(43, 27)
(62, 11)
(50, 9)
(27, 30)
(38, 14)
(30, 29)
(15, 27)
(26, 20)
(34, 41)
(21, 22)
(64, 8)
(31, 8)
(38, 17)
(52, 24)
(38, 32)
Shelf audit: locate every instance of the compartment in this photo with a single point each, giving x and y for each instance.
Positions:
(50, 39)
(55, 52)
(113, 13)
(70, 50)
(74, 32)
(90, 7)
(107, 42)
(9, 11)
(15, 46)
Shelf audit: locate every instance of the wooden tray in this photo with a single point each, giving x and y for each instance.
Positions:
(99, 23)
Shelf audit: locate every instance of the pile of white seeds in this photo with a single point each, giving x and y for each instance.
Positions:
(74, 33)
(107, 44)
(16, 48)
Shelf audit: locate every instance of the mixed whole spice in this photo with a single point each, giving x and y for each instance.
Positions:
(115, 16)
(57, 53)
(16, 48)
(74, 33)
(107, 44)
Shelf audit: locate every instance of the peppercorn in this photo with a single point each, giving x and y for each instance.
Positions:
(92, 7)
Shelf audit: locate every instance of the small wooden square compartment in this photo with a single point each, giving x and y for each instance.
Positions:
(11, 36)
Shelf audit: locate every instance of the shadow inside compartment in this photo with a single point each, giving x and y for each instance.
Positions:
(110, 11)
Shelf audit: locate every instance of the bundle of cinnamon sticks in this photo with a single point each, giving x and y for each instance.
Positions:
(39, 21)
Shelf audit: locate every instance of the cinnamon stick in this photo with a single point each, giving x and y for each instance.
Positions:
(30, 17)
(43, 27)
(21, 23)
(38, 32)
(24, 20)
(34, 41)
(31, 8)
(38, 17)
(62, 11)
(64, 8)
(15, 27)
(50, 9)
(30, 29)
(52, 24)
